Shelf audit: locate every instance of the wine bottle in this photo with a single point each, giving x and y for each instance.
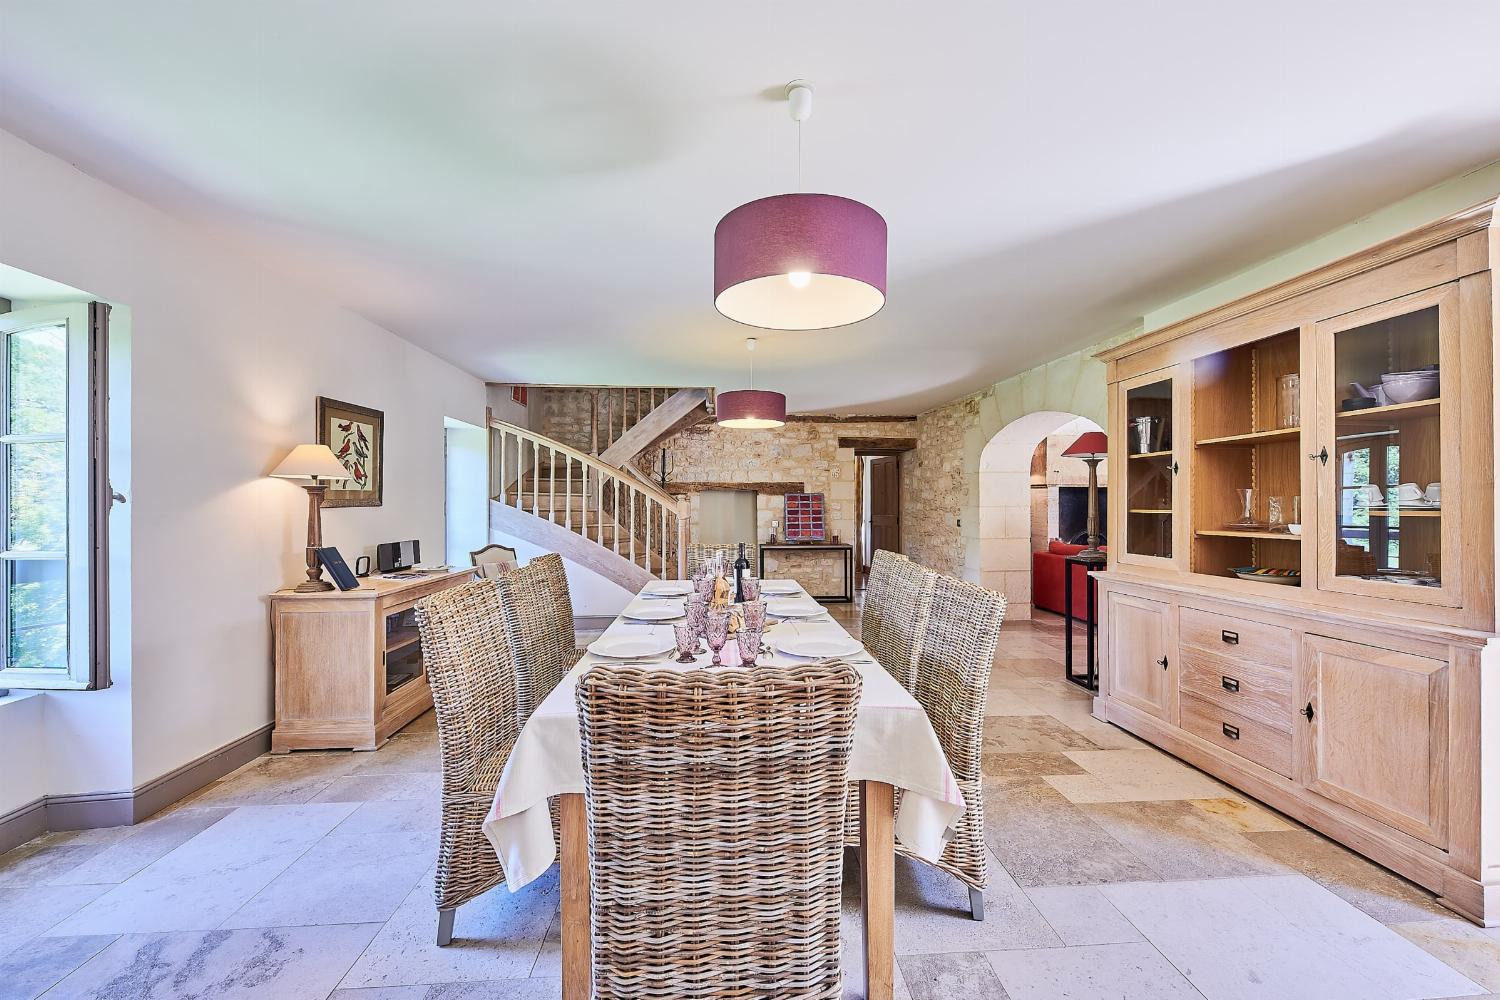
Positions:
(740, 566)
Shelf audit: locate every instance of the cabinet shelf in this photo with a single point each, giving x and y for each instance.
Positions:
(1149, 510)
(1270, 536)
(401, 639)
(1152, 454)
(1255, 437)
(1381, 416)
(1413, 512)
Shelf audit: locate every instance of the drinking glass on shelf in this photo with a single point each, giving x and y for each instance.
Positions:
(1274, 516)
(754, 613)
(717, 633)
(1289, 400)
(749, 643)
(687, 642)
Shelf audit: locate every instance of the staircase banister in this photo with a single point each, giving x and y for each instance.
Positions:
(603, 469)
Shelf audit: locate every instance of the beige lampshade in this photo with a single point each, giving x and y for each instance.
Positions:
(311, 461)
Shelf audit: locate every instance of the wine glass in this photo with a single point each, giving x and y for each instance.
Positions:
(687, 642)
(749, 643)
(717, 633)
(751, 587)
(754, 613)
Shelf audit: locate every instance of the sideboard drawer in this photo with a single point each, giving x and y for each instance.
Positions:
(1243, 686)
(1238, 637)
(1239, 734)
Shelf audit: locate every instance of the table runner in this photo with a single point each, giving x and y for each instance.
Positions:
(893, 743)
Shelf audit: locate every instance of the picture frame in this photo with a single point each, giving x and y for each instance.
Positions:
(357, 436)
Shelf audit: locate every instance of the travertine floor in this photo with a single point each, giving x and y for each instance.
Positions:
(1121, 874)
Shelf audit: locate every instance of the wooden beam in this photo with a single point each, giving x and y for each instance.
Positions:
(832, 418)
(774, 489)
(878, 443)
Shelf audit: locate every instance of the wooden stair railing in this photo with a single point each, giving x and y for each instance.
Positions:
(618, 409)
(630, 517)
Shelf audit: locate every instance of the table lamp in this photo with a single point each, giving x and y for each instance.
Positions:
(314, 466)
(1092, 447)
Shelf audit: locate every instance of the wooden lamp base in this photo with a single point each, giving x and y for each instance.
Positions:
(314, 582)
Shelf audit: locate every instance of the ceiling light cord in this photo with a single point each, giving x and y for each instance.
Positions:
(799, 157)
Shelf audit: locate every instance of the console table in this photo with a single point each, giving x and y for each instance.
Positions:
(837, 548)
(349, 662)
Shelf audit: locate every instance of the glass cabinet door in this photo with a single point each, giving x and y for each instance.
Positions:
(1389, 492)
(1150, 467)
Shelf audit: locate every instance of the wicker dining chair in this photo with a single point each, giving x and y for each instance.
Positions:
(533, 614)
(877, 593)
(493, 560)
(698, 552)
(468, 664)
(954, 659)
(715, 806)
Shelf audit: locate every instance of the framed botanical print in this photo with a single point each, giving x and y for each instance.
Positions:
(357, 436)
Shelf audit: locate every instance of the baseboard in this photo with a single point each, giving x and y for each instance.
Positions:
(23, 823)
(90, 810)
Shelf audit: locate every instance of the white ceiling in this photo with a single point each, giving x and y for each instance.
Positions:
(530, 190)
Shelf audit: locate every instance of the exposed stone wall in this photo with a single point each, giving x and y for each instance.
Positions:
(820, 571)
(565, 415)
(937, 485)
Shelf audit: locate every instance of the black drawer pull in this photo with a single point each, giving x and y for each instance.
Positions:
(1233, 732)
(1162, 663)
(1230, 683)
(1233, 638)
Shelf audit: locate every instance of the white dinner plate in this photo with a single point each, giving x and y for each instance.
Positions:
(770, 587)
(631, 647)
(798, 608)
(668, 588)
(817, 646)
(654, 611)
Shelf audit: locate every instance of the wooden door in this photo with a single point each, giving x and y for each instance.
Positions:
(1142, 668)
(885, 505)
(1376, 741)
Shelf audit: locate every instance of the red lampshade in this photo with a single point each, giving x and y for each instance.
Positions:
(1090, 444)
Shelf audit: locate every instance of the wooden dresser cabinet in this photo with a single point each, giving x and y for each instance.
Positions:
(1358, 692)
(349, 663)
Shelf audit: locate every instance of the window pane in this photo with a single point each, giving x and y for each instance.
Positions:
(38, 614)
(38, 497)
(39, 381)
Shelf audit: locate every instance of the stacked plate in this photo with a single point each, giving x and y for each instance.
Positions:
(654, 610)
(813, 644)
(633, 646)
(667, 588)
(771, 588)
(799, 607)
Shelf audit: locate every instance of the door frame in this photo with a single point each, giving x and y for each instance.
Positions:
(861, 557)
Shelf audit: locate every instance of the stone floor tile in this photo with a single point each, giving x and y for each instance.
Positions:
(496, 936)
(1458, 943)
(501, 989)
(1180, 841)
(1043, 839)
(932, 914)
(275, 779)
(1134, 776)
(1030, 734)
(27, 911)
(198, 885)
(149, 842)
(1079, 914)
(1281, 936)
(1091, 972)
(1009, 701)
(1358, 881)
(40, 862)
(31, 970)
(380, 787)
(1004, 766)
(402, 754)
(961, 976)
(287, 963)
(424, 723)
(1245, 815)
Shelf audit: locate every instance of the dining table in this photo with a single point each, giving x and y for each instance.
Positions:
(894, 746)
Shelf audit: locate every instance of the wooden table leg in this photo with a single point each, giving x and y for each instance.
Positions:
(877, 882)
(573, 862)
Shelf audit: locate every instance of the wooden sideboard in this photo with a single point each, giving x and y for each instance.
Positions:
(1360, 695)
(349, 663)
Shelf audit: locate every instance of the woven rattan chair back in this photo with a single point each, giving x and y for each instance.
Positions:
(468, 664)
(715, 810)
(906, 606)
(529, 601)
(697, 552)
(877, 592)
(954, 659)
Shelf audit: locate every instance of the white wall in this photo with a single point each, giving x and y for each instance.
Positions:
(467, 528)
(592, 594)
(227, 360)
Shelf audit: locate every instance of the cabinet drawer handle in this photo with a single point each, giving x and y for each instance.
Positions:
(1308, 712)
(1162, 663)
(1233, 638)
(1230, 683)
(1320, 456)
(1233, 732)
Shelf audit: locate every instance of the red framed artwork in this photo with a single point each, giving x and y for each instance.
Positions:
(805, 519)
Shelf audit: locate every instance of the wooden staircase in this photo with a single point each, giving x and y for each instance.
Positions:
(591, 512)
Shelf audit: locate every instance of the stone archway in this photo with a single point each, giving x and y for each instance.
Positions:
(1005, 504)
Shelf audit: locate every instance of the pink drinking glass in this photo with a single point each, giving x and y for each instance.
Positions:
(754, 613)
(718, 634)
(687, 642)
(751, 587)
(697, 615)
(749, 643)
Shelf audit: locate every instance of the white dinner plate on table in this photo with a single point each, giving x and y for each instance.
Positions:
(668, 588)
(770, 587)
(798, 608)
(654, 611)
(816, 646)
(632, 647)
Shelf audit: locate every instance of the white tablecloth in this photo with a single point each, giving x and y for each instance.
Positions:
(893, 743)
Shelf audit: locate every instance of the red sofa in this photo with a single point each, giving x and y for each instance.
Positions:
(1047, 579)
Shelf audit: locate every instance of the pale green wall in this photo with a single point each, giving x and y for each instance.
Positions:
(1426, 206)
